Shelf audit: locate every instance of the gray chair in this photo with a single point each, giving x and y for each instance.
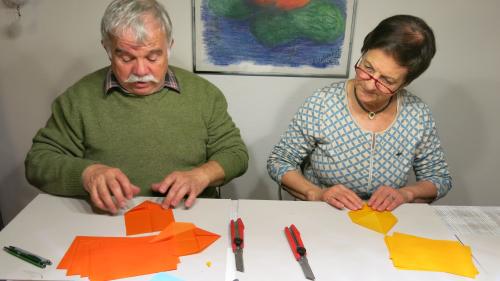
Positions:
(217, 190)
(282, 188)
(1, 220)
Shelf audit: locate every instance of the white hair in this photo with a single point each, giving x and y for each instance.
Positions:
(124, 15)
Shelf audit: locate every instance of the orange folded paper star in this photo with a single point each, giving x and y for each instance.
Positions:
(107, 258)
(377, 221)
(147, 217)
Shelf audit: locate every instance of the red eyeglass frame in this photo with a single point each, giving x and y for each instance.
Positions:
(380, 86)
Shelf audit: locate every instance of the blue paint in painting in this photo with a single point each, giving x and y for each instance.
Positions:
(229, 41)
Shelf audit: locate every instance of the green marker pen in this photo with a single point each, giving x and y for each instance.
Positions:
(28, 256)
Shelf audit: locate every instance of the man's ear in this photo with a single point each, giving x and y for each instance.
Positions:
(106, 49)
(169, 50)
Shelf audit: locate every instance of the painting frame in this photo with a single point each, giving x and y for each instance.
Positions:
(299, 56)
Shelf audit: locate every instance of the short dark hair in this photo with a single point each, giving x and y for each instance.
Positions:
(408, 39)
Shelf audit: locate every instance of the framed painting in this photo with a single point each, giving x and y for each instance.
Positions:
(273, 37)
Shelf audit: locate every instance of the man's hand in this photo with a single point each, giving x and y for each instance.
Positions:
(102, 182)
(386, 198)
(179, 183)
(342, 197)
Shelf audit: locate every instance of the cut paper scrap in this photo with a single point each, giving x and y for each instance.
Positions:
(165, 277)
(108, 258)
(416, 253)
(147, 217)
(377, 221)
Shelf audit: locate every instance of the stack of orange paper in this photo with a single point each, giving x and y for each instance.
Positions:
(416, 253)
(107, 258)
(377, 221)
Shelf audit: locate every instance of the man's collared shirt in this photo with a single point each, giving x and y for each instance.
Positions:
(111, 82)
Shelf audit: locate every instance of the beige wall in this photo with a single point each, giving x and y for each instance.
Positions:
(58, 41)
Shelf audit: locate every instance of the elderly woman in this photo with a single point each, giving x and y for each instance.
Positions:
(358, 139)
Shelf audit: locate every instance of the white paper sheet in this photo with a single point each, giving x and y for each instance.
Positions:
(467, 220)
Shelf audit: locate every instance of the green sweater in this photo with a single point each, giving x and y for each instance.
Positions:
(146, 137)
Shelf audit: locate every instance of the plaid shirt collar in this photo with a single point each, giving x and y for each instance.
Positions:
(111, 82)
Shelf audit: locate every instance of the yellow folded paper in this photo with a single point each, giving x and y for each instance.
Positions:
(377, 221)
(417, 253)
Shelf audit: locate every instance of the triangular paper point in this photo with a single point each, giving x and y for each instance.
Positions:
(147, 217)
(377, 221)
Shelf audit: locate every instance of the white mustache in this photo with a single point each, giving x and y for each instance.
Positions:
(146, 78)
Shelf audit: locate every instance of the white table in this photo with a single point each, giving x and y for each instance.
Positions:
(478, 227)
(337, 248)
(48, 225)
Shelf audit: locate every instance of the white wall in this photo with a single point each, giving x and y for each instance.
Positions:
(58, 42)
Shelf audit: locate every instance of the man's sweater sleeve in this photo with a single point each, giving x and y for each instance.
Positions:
(225, 144)
(55, 161)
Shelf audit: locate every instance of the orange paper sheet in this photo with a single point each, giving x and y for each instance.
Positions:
(107, 258)
(147, 217)
(417, 253)
(132, 260)
(377, 221)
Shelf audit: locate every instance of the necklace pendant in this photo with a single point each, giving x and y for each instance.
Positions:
(371, 115)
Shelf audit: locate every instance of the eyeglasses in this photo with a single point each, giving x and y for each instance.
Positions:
(364, 75)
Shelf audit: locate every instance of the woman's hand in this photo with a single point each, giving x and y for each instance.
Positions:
(386, 198)
(342, 197)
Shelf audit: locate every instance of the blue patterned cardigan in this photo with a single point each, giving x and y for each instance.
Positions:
(340, 152)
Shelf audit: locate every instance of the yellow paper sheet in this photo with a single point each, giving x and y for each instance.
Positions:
(417, 253)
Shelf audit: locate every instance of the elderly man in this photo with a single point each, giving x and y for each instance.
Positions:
(139, 126)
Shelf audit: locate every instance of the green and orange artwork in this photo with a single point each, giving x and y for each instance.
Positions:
(290, 33)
